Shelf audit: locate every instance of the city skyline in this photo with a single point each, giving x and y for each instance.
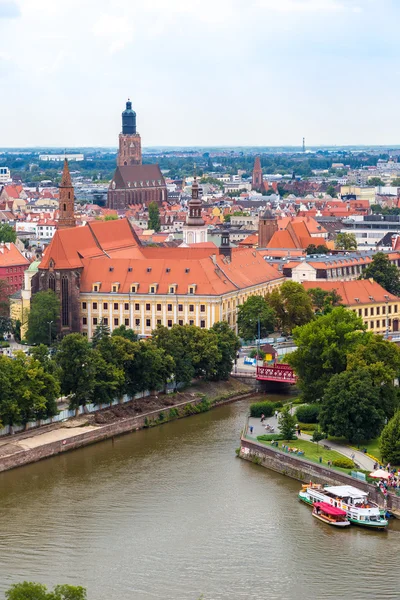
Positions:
(257, 73)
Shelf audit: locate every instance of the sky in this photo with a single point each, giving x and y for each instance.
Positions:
(200, 72)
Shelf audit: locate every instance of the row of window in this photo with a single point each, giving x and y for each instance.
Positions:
(135, 287)
(14, 279)
(13, 269)
(126, 322)
(377, 311)
(116, 306)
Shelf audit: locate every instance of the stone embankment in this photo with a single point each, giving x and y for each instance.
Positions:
(304, 470)
(36, 445)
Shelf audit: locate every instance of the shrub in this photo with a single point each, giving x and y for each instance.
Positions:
(4, 344)
(173, 413)
(264, 408)
(343, 463)
(307, 426)
(270, 437)
(308, 413)
(161, 416)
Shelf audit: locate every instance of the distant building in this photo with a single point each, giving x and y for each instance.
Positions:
(12, 266)
(195, 229)
(61, 157)
(5, 175)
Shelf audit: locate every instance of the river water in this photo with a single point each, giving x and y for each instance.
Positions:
(170, 513)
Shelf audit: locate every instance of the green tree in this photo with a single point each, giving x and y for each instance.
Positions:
(317, 435)
(7, 233)
(351, 407)
(154, 217)
(383, 272)
(291, 304)
(5, 321)
(323, 300)
(228, 345)
(68, 592)
(253, 311)
(42, 318)
(396, 182)
(175, 343)
(125, 332)
(76, 360)
(330, 191)
(375, 181)
(108, 379)
(390, 440)
(227, 218)
(101, 331)
(150, 369)
(286, 424)
(36, 591)
(346, 241)
(311, 249)
(322, 348)
(111, 217)
(322, 249)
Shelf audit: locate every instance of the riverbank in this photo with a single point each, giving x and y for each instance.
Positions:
(32, 446)
(305, 470)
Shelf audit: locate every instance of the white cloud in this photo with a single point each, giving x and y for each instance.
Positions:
(310, 5)
(118, 31)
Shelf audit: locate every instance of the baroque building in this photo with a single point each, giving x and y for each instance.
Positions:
(134, 182)
(195, 229)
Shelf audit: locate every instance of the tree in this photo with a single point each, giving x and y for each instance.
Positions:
(228, 345)
(330, 191)
(322, 349)
(150, 368)
(42, 318)
(346, 241)
(78, 370)
(323, 300)
(111, 217)
(375, 181)
(36, 591)
(125, 332)
(390, 440)
(7, 233)
(5, 321)
(383, 272)
(317, 435)
(108, 379)
(311, 249)
(286, 424)
(351, 407)
(322, 249)
(396, 182)
(175, 342)
(154, 217)
(253, 311)
(291, 304)
(102, 331)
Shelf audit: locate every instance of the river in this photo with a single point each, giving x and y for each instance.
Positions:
(170, 513)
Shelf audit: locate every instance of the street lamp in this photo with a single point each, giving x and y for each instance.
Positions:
(50, 323)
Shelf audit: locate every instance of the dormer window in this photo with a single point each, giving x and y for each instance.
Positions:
(172, 288)
(187, 270)
(115, 287)
(96, 287)
(134, 288)
(153, 288)
(149, 269)
(129, 269)
(192, 289)
(111, 269)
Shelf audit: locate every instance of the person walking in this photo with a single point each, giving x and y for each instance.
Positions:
(262, 418)
(299, 431)
(276, 414)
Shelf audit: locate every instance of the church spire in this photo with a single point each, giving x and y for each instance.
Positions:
(66, 200)
(66, 176)
(257, 179)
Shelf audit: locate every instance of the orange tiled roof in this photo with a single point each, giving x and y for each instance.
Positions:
(363, 291)
(11, 256)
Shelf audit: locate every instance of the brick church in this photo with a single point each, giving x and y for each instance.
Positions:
(133, 182)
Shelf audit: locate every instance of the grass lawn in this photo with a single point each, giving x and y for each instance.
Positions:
(311, 450)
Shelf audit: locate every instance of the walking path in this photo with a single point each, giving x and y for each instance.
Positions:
(365, 462)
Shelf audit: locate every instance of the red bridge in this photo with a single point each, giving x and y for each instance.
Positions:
(277, 372)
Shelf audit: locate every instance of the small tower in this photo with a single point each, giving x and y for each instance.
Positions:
(304, 144)
(130, 145)
(66, 200)
(195, 230)
(257, 180)
(225, 248)
(267, 226)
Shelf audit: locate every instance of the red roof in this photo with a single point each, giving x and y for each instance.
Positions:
(330, 510)
(359, 291)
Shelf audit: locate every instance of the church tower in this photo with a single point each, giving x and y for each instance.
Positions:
(257, 180)
(130, 145)
(66, 200)
(195, 230)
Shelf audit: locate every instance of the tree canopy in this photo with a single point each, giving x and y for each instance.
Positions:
(383, 272)
(323, 300)
(313, 249)
(36, 591)
(390, 440)
(291, 304)
(346, 241)
(154, 217)
(253, 309)
(376, 181)
(7, 233)
(42, 318)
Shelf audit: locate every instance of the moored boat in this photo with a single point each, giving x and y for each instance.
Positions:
(359, 508)
(330, 514)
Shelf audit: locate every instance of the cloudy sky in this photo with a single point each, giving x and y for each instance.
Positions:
(200, 72)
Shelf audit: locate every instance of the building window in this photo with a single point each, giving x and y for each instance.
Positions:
(172, 290)
(137, 306)
(115, 288)
(359, 312)
(365, 312)
(202, 308)
(126, 322)
(105, 320)
(94, 306)
(383, 310)
(147, 306)
(180, 322)
(137, 322)
(180, 307)
(158, 307)
(52, 283)
(202, 324)
(371, 311)
(191, 290)
(95, 288)
(191, 307)
(94, 320)
(84, 305)
(126, 306)
(116, 322)
(133, 289)
(169, 307)
(148, 323)
(84, 321)
(65, 301)
(378, 324)
(395, 309)
(169, 322)
(191, 322)
(115, 305)
(152, 290)
(158, 321)
(378, 310)
(105, 305)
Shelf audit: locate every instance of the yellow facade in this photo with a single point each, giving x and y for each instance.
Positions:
(143, 312)
(379, 317)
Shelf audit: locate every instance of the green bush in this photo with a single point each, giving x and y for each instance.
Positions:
(4, 344)
(343, 463)
(308, 413)
(270, 437)
(307, 426)
(173, 413)
(264, 408)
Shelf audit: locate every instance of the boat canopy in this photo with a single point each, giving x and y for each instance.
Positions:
(330, 510)
(346, 491)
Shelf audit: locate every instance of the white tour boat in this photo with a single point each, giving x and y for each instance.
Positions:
(360, 510)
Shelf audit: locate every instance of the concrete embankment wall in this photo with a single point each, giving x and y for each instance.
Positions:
(305, 471)
(103, 432)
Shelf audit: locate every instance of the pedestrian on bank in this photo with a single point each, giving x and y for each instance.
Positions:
(276, 414)
(299, 431)
(262, 418)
